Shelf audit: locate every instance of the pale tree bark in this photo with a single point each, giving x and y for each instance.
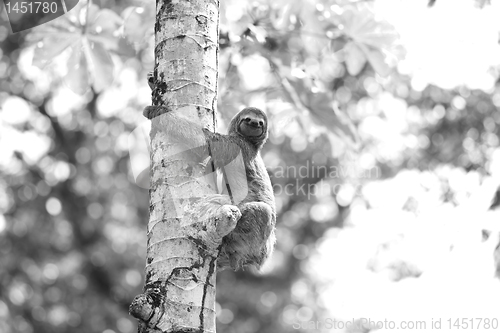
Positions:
(187, 221)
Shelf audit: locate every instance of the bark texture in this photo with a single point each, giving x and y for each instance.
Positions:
(187, 220)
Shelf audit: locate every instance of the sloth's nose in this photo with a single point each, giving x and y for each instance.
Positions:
(254, 123)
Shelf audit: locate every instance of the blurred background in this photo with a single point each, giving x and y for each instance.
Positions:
(384, 155)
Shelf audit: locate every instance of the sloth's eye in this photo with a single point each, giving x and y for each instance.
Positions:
(261, 123)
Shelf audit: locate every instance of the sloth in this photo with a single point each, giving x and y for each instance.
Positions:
(252, 240)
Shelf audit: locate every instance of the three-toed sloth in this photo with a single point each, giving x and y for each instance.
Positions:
(252, 240)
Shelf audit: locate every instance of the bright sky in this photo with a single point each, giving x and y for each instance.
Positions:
(450, 44)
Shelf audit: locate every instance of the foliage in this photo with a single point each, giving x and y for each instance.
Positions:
(385, 188)
(85, 38)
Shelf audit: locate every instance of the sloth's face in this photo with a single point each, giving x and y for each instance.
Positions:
(252, 125)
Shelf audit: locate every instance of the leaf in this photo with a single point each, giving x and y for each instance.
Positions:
(52, 39)
(77, 78)
(62, 25)
(93, 10)
(113, 43)
(355, 58)
(377, 59)
(375, 39)
(124, 48)
(106, 22)
(281, 20)
(100, 65)
(363, 28)
(52, 46)
(106, 29)
(137, 26)
(314, 43)
(325, 114)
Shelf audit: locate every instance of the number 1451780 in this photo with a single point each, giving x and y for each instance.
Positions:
(473, 323)
(31, 7)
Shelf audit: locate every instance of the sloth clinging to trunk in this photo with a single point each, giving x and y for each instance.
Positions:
(252, 240)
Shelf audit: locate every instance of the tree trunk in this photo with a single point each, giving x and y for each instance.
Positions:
(184, 235)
